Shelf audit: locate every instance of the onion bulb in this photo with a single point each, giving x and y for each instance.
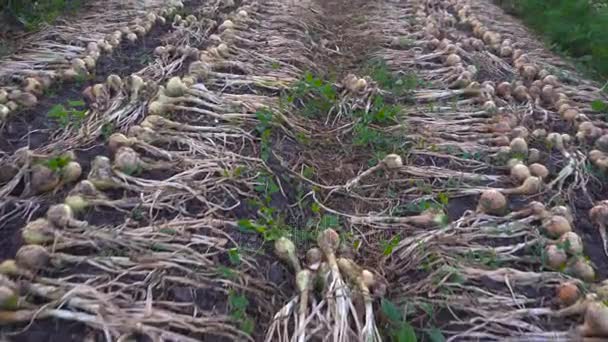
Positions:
(61, 215)
(3, 96)
(38, 232)
(9, 299)
(32, 85)
(596, 321)
(572, 243)
(555, 257)
(520, 172)
(492, 202)
(285, 249)
(534, 156)
(101, 173)
(127, 160)
(580, 268)
(227, 24)
(329, 241)
(4, 111)
(43, 179)
(570, 114)
(175, 87)
(392, 161)
(71, 172)
(602, 143)
(556, 226)
(539, 170)
(568, 293)
(314, 257)
(519, 146)
(453, 60)
(32, 257)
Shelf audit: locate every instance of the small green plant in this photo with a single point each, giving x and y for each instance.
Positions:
(388, 246)
(313, 96)
(399, 329)
(107, 129)
(237, 306)
(32, 14)
(72, 114)
(399, 84)
(234, 255)
(264, 127)
(57, 164)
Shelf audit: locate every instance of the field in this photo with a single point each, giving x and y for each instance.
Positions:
(291, 171)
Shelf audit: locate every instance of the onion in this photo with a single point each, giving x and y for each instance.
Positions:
(368, 278)
(492, 202)
(118, 140)
(24, 99)
(568, 293)
(314, 257)
(453, 59)
(43, 179)
(286, 251)
(127, 160)
(539, 170)
(3, 96)
(32, 85)
(548, 93)
(520, 172)
(489, 106)
(227, 24)
(595, 155)
(596, 321)
(101, 174)
(602, 143)
(514, 161)
(556, 226)
(4, 111)
(555, 257)
(392, 161)
(115, 83)
(521, 93)
(564, 211)
(520, 132)
(581, 269)
(9, 299)
(529, 71)
(32, 257)
(329, 241)
(175, 87)
(38, 232)
(532, 185)
(570, 114)
(572, 243)
(519, 146)
(534, 156)
(503, 89)
(71, 172)
(555, 141)
(61, 215)
(539, 133)
(76, 202)
(506, 51)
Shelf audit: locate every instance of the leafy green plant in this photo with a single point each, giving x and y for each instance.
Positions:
(71, 114)
(312, 95)
(33, 13)
(264, 127)
(389, 246)
(237, 306)
(576, 28)
(57, 163)
(399, 84)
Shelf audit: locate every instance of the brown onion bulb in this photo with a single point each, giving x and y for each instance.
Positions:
(556, 226)
(556, 257)
(492, 202)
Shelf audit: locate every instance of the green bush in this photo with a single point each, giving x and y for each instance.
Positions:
(577, 28)
(32, 13)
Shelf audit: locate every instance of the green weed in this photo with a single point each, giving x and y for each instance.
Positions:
(32, 14)
(313, 96)
(237, 306)
(72, 114)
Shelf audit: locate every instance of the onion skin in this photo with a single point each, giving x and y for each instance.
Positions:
(43, 179)
(568, 293)
(556, 257)
(596, 321)
(556, 226)
(492, 202)
(572, 243)
(581, 269)
(520, 172)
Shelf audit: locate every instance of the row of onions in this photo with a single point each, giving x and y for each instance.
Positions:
(13, 98)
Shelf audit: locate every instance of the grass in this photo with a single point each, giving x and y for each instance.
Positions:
(34, 13)
(575, 28)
